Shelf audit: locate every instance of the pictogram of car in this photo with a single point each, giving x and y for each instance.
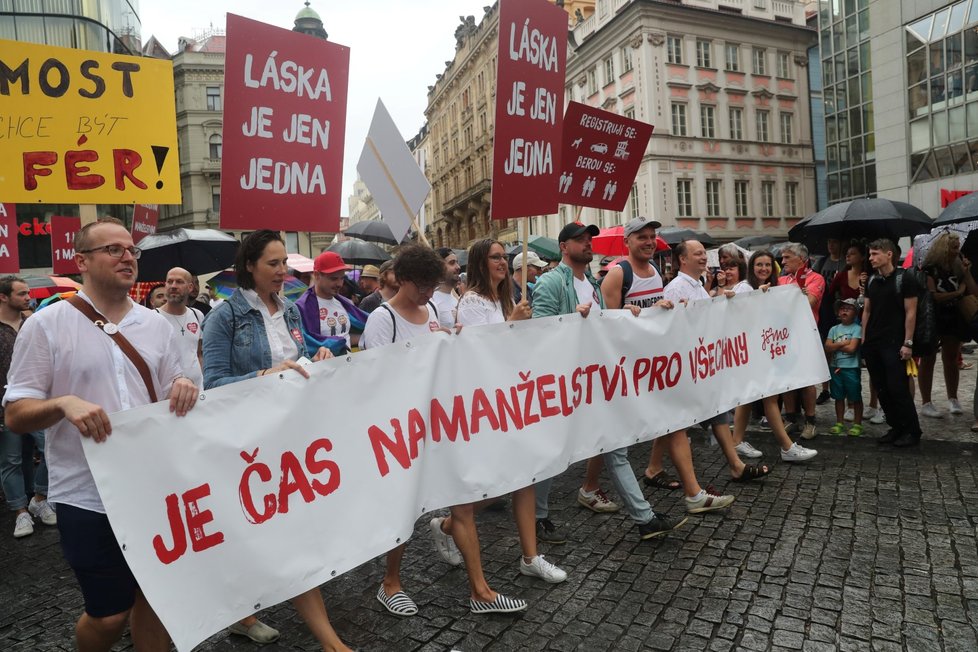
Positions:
(599, 148)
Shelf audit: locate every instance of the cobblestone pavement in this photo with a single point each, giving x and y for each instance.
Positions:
(861, 549)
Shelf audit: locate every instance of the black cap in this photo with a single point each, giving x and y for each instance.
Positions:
(575, 229)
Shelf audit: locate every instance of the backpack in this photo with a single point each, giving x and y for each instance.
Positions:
(628, 275)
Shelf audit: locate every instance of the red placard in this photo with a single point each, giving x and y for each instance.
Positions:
(63, 230)
(529, 101)
(9, 253)
(948, 197)
(602, 154)
(144, 220)
(284, 125)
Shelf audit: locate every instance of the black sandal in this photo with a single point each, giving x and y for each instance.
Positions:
(752, 472)
(662, 480)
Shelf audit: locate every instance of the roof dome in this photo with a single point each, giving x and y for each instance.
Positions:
(307, 12)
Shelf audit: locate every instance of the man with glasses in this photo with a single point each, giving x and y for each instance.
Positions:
(67, 375)
(568, 289)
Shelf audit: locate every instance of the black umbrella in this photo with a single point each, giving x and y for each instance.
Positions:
(755, 241)
(372, 231)
(962, 209)
(197, 251)
(463, 257)
(358, 252)
(674, 235)
(863, 218)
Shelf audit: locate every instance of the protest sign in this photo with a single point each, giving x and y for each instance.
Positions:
(277, 473)
(529, 101)
(284, 126)
(9, 251)
(390, 172)
(83, 127)
(63, 230)
(602, 152)
(144, 220)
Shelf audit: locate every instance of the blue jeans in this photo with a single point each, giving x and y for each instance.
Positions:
(18, 476)
(622, 477)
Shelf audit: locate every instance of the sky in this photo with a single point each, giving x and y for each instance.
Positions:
(397, 48)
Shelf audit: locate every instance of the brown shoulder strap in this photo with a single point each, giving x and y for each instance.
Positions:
(86, 309)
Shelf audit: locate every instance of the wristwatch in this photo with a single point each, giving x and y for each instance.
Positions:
(908, 344)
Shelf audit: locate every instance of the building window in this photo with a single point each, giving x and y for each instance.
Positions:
(713, 198)
(674, 49)
(708, 127)
(609, 70)
(684, 198)
(784, 65)
(633, 202)
(732, 57)
(736, 123)
(704, 53)
(787, 128)
(592, 82)
(214, 98)
(767, 198)
(630, 112)
(741, 193)
(791, 199)
(679, 120)
(216, 199)
(763, 133)
(626, 59)
(760, 61)
(215, 147)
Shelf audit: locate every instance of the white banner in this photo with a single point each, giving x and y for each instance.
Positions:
(275, 485)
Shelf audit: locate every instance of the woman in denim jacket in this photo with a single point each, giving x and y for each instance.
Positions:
(254, 333)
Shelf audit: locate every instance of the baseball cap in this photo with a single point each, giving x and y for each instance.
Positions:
(846, 302)
(638, 223)
(329, 262)
(532, 260)
(575, 229)
(370, 271)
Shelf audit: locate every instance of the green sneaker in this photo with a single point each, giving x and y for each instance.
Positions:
(856, 430)
(837, 429)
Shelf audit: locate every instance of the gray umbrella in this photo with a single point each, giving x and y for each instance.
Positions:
(372, 231)
(963, 209)
(198, 251)
(674, 235)
(358, 252)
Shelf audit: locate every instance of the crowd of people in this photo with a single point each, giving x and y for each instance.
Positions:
(70, 365)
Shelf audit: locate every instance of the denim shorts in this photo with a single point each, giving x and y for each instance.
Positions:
(846, 384)
(90, 548)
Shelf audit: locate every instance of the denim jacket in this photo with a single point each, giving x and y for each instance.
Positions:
(235, 344)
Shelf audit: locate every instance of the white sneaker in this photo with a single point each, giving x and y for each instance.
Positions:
(42, 509)
(849, 415)
(745, 449)
(869, 412)
(24, 525)
(930, 410)
(878, 417)
(444, 543)
(954, 407)
(798, 453)
(540, 567)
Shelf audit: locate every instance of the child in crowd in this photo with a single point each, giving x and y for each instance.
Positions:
(842, 344)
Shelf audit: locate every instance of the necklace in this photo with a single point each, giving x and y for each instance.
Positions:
(182, 324)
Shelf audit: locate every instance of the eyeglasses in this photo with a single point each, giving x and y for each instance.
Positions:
(729, 266)
(498, 257)
(115, 251)
(426, 289)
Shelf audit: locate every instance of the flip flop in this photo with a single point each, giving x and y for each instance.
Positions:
(662, 480)
(751, 472)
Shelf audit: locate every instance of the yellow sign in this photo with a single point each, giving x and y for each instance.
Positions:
(82, 127)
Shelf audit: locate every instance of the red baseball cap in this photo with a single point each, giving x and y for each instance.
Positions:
(329, 262)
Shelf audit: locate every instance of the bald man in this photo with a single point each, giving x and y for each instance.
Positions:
(185, 321)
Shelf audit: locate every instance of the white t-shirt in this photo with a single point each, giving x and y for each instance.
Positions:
(381, 330)
(447, 306)
(334, 321)
(685, 288)
(60, 352)
(742, 287)
(187, 329)
(281, 342)
(644, 292)
(586, 294)
(476, 310)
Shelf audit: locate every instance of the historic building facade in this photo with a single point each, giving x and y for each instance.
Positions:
(725, 83)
